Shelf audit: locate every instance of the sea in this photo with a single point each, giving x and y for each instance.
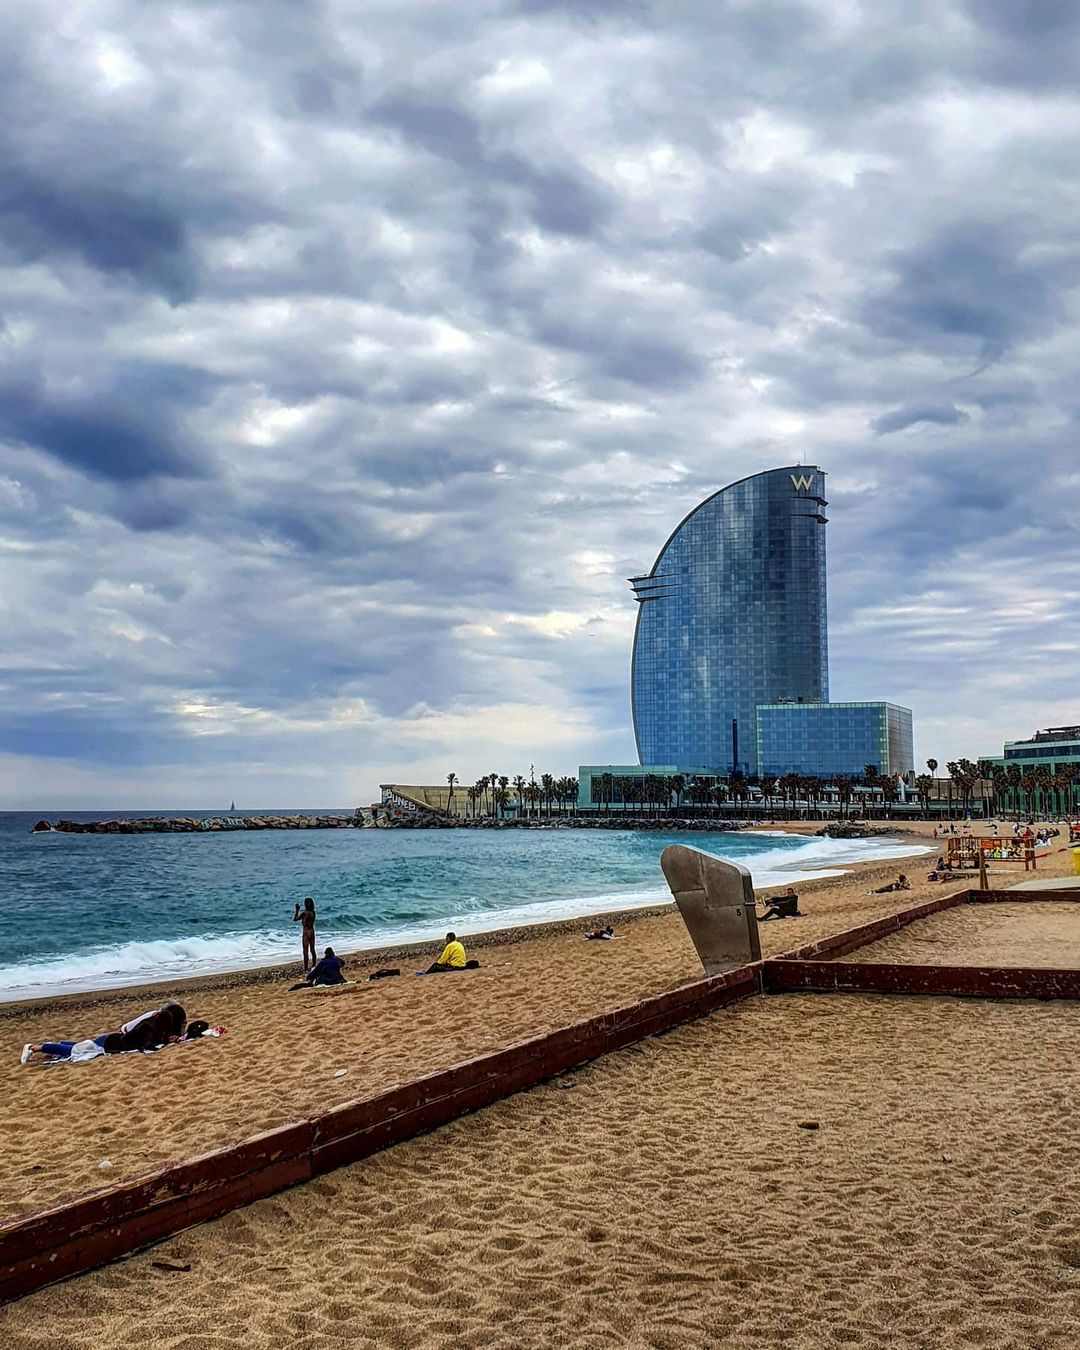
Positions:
(99, 911)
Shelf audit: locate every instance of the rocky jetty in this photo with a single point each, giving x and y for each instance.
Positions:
(401, 820)
(190, 825)
(385, 819)
(852, 829)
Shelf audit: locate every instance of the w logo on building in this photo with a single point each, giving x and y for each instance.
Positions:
(802, 482)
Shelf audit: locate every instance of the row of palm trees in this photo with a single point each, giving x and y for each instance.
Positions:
(496, 794)
(1027, 790)
(1031, 789)
(658, 792)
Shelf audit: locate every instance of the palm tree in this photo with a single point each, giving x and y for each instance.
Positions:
(1045, 778)
(519, 788)
(677, 783)
(924, 785)
(999, 781)
(451, 778)
(1015, 776)
(1028, 784)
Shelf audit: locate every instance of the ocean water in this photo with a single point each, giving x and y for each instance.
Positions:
(96, 911)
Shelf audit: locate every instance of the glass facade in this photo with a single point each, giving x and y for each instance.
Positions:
(732, 615)
(827, 739)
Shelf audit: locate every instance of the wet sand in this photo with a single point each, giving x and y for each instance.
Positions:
(668, 1197)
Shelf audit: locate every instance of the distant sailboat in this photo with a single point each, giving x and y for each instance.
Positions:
(232, 806)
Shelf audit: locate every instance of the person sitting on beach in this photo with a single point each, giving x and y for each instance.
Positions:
(602, 934)
(451, 958)
(783, 906)
(323, 973)
(900, 884)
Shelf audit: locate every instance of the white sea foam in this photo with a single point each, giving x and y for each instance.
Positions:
(131, 963)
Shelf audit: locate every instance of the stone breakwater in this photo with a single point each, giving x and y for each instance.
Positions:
(382, 820)
(189, 825)
(591, 822)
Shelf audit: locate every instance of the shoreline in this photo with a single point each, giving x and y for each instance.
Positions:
(269, 971)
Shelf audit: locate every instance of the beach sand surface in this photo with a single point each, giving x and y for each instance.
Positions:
(70, 1129)
(669, 1196)
(1031, 933)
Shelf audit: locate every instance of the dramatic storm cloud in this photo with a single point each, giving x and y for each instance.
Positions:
(352, 356)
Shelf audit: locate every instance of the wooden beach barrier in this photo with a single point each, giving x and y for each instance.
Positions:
(868, 977)
(814, 969)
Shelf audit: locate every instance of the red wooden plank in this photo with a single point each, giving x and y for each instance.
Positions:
(881, 978)
(853, 938)
(1021, 897)
(122, 1202)
(96, 1247)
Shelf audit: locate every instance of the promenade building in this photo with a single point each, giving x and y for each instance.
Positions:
(1054, 749)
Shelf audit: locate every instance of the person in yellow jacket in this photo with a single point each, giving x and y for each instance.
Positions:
(452, 957)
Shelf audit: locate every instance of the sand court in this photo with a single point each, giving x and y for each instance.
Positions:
(668, 1196)
(1028, 933)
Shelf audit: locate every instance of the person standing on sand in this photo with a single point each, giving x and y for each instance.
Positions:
(306, 916)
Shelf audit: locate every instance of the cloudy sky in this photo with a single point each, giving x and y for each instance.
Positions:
(353, 354)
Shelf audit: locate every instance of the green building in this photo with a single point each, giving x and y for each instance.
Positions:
(1041, 773)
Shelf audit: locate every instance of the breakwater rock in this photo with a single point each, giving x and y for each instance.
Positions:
(664, 824)
(191, 825)
(853, 829)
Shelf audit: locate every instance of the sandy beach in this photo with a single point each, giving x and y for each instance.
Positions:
(282, 1050)
(669, 1197)
(578, 1210)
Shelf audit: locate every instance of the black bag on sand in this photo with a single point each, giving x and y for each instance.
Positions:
(383, 974)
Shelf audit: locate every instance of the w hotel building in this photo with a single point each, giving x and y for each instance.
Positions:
(731, 661)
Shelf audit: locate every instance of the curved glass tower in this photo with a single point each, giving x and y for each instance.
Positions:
(731, 616)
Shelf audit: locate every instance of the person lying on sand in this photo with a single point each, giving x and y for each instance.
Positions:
(451, 958)
(143, 1036)
(324, 972)
(900, 884)
(602, 934)
(110, 1043)
(158, 1027)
